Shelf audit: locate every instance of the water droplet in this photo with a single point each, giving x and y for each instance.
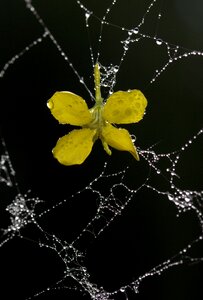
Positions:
(170, 197)
(87, 15)
(159, 42)
(133, 137)
(187, 199)
(50, 104)
(135, 30)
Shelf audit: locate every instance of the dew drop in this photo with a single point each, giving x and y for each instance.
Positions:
(187, 199)
(170, 197)
(135, 30)
(159, 42)
(50, 104)
(133, 137)
(87, 15)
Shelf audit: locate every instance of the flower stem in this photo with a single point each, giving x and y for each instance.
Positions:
(98, 98)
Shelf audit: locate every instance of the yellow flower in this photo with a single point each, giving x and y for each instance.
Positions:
(120, 108)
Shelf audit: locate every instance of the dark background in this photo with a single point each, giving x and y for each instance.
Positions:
(148, 232)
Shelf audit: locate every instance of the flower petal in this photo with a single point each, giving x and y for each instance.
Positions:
(69, 108)
(74, 148)
(119, 139)
(125, 107)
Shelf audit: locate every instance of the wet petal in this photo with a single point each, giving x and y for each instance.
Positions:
(119, 139)
(125, 107)
(69, 108)
(74, 148)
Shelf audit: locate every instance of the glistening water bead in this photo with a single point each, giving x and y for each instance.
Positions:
(135, 30)
(159, 42)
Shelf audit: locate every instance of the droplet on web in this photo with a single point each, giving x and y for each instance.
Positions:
(159, 42)
(135, 30)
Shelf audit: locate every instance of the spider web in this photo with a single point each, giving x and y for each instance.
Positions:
(111, 228)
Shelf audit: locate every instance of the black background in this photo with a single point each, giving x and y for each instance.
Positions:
(148, 232)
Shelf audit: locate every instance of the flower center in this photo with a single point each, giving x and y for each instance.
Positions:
(97, 118)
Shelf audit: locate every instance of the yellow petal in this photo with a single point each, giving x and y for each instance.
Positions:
(119, 139)
(74, 148)
(125, 107)
(69, 108)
